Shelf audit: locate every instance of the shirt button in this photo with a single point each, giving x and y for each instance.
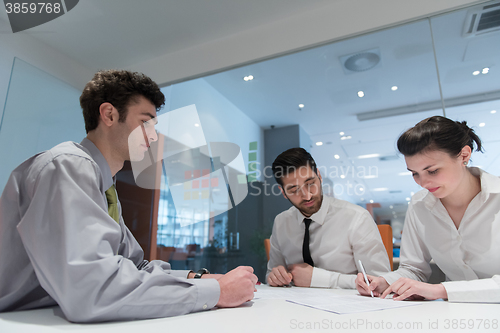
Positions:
(205, 306)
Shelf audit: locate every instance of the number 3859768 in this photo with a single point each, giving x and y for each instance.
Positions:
(32, 8)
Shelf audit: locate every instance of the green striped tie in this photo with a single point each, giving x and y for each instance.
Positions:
(112, 203)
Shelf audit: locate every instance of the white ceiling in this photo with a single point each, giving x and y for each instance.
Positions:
(117, 34)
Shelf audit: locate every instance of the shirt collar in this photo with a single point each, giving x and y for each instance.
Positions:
(489, 184)
(319, 216)
(97, 156)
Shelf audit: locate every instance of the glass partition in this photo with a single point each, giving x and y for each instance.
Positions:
(352, 98)
(40, 112)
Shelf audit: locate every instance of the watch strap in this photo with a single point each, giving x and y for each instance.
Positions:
(200, 272)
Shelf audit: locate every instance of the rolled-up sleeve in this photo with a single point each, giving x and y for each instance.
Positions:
(475, 291)
(76, 250)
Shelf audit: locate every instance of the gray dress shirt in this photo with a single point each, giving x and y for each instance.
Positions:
(58, 245)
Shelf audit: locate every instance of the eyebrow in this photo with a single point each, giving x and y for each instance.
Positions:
(427, 167)
(150, 115)
(292, 186)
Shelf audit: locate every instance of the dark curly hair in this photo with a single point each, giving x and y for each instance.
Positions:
(438, 133)
(120, 88)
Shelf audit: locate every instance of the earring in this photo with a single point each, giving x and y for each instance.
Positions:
(465, 163)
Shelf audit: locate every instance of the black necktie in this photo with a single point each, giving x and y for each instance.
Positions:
(306, 253)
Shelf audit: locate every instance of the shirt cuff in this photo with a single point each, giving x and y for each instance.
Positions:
(322, 278)
(180, 273)
(208, 293)
(481, 291)
(391, 277)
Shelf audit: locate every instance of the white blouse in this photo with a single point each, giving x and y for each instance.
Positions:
(469, 255)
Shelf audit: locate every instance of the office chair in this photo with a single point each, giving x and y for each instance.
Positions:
(267, 246)
(386, 234)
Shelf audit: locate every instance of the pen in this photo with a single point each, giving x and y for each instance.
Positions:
(364, 275)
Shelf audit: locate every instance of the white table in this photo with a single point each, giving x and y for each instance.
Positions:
(274, 315)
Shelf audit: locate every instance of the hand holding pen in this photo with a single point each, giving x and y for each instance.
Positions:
(368, 285)
(362, 268)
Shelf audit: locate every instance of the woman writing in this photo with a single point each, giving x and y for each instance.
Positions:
(454, 220)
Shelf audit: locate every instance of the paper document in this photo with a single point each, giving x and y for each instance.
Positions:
(326, 300)
(348, 304)
(287, 293)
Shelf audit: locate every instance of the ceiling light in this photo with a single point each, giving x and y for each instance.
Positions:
(341, 133)
(394, 88)
(360, 93)
(248, 78)
(342, 176)
(319, 143)
(391, 207)
(476, 73)
(346, 137)
(361, 189)
(336, 157)
(380, 189)
(482, 124)
(301, 106)
(368, 156)
(412, 193)
(196, 125)
(406, 173)
(493, 111)
(485, 70)
(371, 201)
(369, 176)
(408, 199)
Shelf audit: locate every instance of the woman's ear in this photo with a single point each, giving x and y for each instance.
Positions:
(465, 155)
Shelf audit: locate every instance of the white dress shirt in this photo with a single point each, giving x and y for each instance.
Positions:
(469, 255)
(340, 234)
(58, 245)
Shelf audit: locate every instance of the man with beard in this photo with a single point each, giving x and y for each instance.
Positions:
(318, 241)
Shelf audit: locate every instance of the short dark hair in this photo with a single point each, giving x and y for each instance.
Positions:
(120, 88)
(289, 161)
(438, 133)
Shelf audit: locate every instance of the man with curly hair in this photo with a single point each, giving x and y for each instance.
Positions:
(61, 241)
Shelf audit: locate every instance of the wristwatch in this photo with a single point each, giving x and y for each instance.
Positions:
(201, 272)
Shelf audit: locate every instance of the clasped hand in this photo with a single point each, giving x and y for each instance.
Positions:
(300, 274)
